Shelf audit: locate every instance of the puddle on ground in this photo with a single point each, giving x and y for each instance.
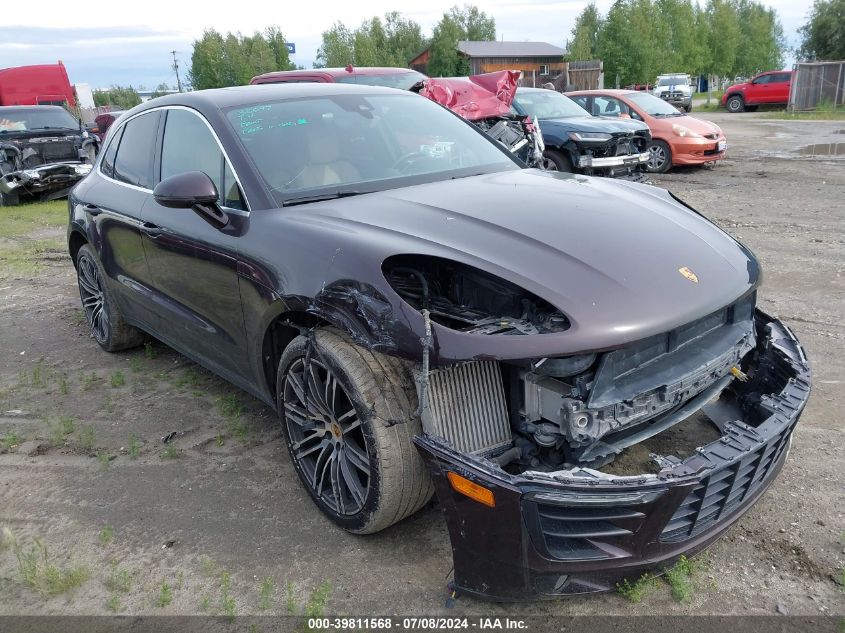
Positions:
(823, 149)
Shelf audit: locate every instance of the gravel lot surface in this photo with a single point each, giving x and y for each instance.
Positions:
(219, 510)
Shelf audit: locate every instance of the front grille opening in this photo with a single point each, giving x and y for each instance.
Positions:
(680, 441)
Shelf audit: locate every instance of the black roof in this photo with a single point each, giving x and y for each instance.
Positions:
(221, 98)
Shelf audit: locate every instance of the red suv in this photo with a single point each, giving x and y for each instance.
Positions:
(770, 88)
(402, 78)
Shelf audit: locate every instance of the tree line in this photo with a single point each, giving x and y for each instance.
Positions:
(636, 39)
(639, 39)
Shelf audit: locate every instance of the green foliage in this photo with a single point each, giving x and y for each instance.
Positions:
(639, 589)
(823, 36)
(120, 97)
(721, 37)
(119, 579)
(392, 41)
(106, 535)
(265, 593)
(39, 574)
(87, 437)
(232, 60)
(134, 447)
(682, 577)
(117, 380)
(316, 605)
(165, 594)
(585, 34)
(465, 23)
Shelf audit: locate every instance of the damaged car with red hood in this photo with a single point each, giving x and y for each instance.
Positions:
(543, 127)
(576, 367)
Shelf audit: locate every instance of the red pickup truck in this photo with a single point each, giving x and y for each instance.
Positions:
(769, 88)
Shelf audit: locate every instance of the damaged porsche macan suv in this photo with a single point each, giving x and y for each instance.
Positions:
(575, 366)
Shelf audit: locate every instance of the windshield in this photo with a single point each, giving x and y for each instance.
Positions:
(25, 119)
(675, 80)
(652, 105)
(548, 104)
(403, 80)
(347, 144)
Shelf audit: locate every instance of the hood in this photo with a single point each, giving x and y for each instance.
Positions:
(475, 97)
(607, 253)
(593, 124)
(699, 126)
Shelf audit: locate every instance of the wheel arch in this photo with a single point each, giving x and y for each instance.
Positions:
(280, 331)
(75, 241)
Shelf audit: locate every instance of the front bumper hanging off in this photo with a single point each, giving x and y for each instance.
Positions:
(581, 531)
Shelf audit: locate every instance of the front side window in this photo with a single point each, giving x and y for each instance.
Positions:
(762, 79)
(189, 145)
(134, 160)
(360, 143)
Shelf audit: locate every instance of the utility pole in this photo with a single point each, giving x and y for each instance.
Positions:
(176, 68)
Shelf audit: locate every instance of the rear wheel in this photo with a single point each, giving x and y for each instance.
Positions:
(735, 104)
(688, 108)
(348, 417)
(101, 312)
(554, 160)
(659, 157)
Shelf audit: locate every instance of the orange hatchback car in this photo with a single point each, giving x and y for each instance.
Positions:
(677, 138)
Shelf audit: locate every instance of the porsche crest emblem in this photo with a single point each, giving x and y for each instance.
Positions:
(686, 272)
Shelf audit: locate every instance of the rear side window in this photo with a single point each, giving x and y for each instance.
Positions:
(107, 161)
(189, 145)
(134, 160)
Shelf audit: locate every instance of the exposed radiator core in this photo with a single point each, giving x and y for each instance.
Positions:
(468, 407)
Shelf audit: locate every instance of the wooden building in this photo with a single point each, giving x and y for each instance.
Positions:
(538, 61)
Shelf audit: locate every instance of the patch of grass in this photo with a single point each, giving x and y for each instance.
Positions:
(119, 580)
(205, 604)
(825, 111)
(171, 451)
(89, 381)
(232, 410)
(180, 580)
(11, 440)
(105, 459)
(219, 440)
(39, 574)
(150, 350)
(189, 378)
(682, 577)
(117, 380)
(316, 604)
(66, 424)
(20, 253)
(165, 595)
(135, 365)
(290, 603)
(113, 603)
(209, 567)
(64, 388)
(639, 589)
(134, 447)
(265, 593)
(87, 437)
(227, 602)
(37, 377)
(106, 535)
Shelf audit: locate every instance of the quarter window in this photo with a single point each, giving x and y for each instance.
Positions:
(107, 161)
(189, 145)
(134, 160)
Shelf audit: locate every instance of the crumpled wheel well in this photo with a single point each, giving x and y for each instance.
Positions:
(279, 334)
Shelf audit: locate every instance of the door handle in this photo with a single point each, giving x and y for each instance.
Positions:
(93, 209)
(150, 230)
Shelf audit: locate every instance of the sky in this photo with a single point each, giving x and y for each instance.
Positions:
(131, 43)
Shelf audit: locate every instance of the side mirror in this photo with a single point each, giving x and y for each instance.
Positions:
(192, 190)
(185, 190)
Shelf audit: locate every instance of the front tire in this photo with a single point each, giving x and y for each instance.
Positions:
(735, 104)
(101, 312)
(659, 157)
(348, 418)
(553, 160)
